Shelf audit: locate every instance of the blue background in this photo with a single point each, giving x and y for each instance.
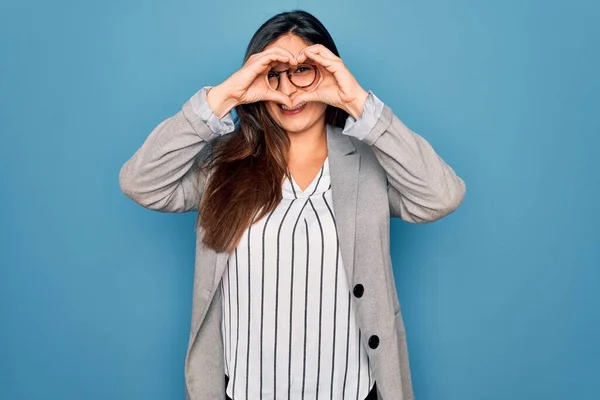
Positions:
(500, 298)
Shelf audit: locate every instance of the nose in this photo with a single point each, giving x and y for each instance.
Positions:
(285, 85)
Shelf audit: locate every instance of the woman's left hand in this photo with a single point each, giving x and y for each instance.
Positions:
(338, 87)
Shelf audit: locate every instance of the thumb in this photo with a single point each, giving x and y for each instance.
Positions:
(304, 96)
(278, 97)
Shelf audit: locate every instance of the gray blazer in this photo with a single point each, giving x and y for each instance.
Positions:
(392, 172)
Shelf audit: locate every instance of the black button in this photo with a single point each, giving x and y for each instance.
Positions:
(359, 290)
(374, 341)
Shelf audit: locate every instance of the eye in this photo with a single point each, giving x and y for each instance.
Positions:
(273, 74)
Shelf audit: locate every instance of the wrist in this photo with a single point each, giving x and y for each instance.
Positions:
(219, 101)
(355, 108)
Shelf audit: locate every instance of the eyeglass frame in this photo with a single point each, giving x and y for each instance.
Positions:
(288, 74)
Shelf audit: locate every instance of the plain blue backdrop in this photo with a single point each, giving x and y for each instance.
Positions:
(500, 298)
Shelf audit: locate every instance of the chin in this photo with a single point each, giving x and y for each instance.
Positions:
(296, 127)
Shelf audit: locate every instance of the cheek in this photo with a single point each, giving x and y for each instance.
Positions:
(272, 109)
(318, 109)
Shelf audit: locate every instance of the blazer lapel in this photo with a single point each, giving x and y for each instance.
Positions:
(344, 164)
(220, 263)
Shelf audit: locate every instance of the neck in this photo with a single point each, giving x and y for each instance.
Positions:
(309, 144)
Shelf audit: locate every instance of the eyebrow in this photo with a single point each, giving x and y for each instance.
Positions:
(283, 70)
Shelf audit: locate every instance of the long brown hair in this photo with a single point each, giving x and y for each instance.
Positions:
(247, 167)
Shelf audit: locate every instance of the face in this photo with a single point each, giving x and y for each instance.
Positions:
(313, 113)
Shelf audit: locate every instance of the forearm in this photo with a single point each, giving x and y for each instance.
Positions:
(161, 175)
(220, 101)
(423, 187)
(356, 108)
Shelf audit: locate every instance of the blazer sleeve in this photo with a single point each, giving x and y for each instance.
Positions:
(421, 186)
(164, 174)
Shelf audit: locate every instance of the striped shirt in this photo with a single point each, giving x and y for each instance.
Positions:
(288, 322)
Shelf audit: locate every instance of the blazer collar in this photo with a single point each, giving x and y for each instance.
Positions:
(338, 143)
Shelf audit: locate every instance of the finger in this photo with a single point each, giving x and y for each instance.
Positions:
(321, 59)
(300, 97)
(329, 64)
(301, 57)
(321, 50)
(274, 49)
(278, 97)
(273, 52)
(285, 51)
(273, 55)
(324, 51)
(259, 60)
(275, 58)
(265, 61)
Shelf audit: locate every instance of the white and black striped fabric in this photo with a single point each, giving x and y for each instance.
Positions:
(288, 323)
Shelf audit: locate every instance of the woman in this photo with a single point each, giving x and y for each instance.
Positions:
(281, 307)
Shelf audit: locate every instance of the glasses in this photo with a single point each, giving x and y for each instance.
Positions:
(301, 76)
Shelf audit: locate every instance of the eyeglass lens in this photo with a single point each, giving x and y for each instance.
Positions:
(302, 76)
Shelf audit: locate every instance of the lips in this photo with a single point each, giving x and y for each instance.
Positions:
(299, 106)
(296, 110)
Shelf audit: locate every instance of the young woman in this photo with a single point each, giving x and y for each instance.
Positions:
(294, 295)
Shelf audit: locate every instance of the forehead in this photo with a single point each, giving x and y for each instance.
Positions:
(290, 42)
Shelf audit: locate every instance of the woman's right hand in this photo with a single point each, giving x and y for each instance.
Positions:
(249, 83)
